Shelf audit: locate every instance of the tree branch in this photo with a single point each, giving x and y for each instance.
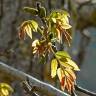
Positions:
(21, 76)
(78, 88)
(41, 86)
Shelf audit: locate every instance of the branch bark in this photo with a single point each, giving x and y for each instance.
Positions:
(35, 82)
(78, 88)
(41, 86)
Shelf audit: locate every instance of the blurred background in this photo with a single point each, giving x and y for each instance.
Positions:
(18, 53)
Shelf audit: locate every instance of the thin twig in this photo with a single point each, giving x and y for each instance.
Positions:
(78, 88)
(30, 90)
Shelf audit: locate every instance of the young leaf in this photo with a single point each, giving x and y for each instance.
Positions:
(28, 31)
(58, 33)
(67, 37)
(41, 10)
(60, 74)
(65, 65)
(67, 78)
(64, 13)
(73, 64)
(5, 89)
(66, 26)
(54, 20)
(27, 27)
(63, 83)
(59, 20)
(70, 74)
(70, 79)
(33, 11)
(35, 43)
(4, 92)
(69, 85)
(54, 65)
(62, 54)
(34, 25)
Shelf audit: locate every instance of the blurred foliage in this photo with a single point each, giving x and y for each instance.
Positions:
(5, 89)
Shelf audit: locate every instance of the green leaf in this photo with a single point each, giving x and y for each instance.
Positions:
(66, 26)
(60, 74)
(53, 14)
(65, 13)
(5, 89)
(73, 64)
(41, 12)
(62, 54)
(58, 13)
(66, 65)
(34, 25)
(54, 20)
(5, 85)
(27, 27)
(54, 65)
(33, 11)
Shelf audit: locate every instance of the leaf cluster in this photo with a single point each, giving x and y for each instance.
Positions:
(55, 29)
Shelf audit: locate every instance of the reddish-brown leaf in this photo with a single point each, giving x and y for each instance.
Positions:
(71, 74)
(63, 83)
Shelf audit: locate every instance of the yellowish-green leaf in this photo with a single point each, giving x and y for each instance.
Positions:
(62, 54)
(42, 12)
(53, 14)
(4, 92)
(66, 26)
(73, 64)
(27, 27)
(54, 20)
(5, 85)
(35, 43)
(65, 65)
(65, 13)
(33, 11)
(58, 33)
(34, 25)
(5, 89)
(28, 31)
(59, 13)
(54, 65)
(65, 19)
(60, 74)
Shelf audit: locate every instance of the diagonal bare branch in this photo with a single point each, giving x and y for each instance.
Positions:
(35, 82)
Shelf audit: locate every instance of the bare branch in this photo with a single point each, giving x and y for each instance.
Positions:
(35, 82)
(78, 88)
(39, 84)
